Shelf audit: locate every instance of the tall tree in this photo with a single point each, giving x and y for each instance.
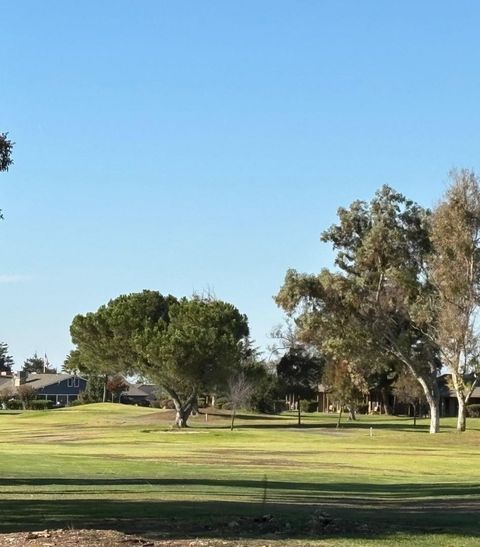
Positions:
(407, 390)
(197, 350)
(38, 365)
(299, 372)
(380, 293)
(6, 147)
(185, 346)
(455, 272)
(345, 386)
(6, 360)
(105, 339)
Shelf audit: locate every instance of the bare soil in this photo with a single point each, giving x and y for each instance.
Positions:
(104, 538)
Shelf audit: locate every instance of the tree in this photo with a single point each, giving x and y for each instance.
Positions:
(455, 272)
(38, 365)
(239, 391)
(299, 372)
(379, 296)
(6, 360)
(196, 351)
(5, 395)
(6, 147)
(26, 394)
(408, 390)
(346, 387)
(185, 346)
(116, 385)
(105, 340)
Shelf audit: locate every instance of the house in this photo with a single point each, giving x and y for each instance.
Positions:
(139, 394)
(60, 388)
(448, 398)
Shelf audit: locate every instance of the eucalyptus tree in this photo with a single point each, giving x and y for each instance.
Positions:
(455, 272)
(377, 300)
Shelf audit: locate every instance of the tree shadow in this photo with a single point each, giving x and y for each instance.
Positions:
(284, 509)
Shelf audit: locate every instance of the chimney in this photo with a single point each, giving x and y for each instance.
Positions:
(23, 377)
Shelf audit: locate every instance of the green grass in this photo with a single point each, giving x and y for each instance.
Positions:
(125, 468)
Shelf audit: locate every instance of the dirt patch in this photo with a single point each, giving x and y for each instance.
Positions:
(103, 538)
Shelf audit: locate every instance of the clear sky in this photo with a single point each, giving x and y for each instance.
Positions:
(190, 145)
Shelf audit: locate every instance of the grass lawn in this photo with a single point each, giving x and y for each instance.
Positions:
(120, 467)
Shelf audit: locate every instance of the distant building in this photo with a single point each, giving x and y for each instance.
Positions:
(58, 388)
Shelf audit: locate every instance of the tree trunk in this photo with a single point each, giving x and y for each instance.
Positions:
(433, 400)
(429, 385)
(299, 410)
(351, 413)
(105, 382)
(462, 413)
(432, 394)
(414, 414)
(384, 392)
(339, 417)
(183, 409)
(458, 385)
(234, 411)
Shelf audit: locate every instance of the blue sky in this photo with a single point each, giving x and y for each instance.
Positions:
(186, 145)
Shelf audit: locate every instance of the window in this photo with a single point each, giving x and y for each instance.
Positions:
(76, 381)
(70, 382)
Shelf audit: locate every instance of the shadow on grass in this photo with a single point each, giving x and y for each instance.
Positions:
(357, 509)
(397, 426)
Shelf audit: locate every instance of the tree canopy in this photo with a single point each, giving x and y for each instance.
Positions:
(454, 270)
(6, 148)
(377, 301)
(39, 365)
(186, 346)
(6, 360)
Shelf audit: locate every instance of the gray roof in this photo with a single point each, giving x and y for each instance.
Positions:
(141, 390)
(7, 382)
(39, 381)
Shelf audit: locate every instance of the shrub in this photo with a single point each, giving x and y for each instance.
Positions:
(473, 410)
(78, 402)
(308, 406)
(221, 402)
(40, 404)
(280, 406)
(362, 409)
(14, 404)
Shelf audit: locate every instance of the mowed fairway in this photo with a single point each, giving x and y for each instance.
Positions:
(125, 468)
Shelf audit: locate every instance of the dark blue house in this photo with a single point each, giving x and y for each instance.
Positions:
(58, 388)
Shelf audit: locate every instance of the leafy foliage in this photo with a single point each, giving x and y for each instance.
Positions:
(38, 365)
(455, 272)
(185, 346)
(6, 360)
(376, 304)
(6, 148)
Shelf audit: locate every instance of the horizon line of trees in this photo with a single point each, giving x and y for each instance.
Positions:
(401, 303)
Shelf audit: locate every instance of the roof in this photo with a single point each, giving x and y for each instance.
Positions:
(7, 382)
(148, 391)
(447, 391)
(39, 381)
